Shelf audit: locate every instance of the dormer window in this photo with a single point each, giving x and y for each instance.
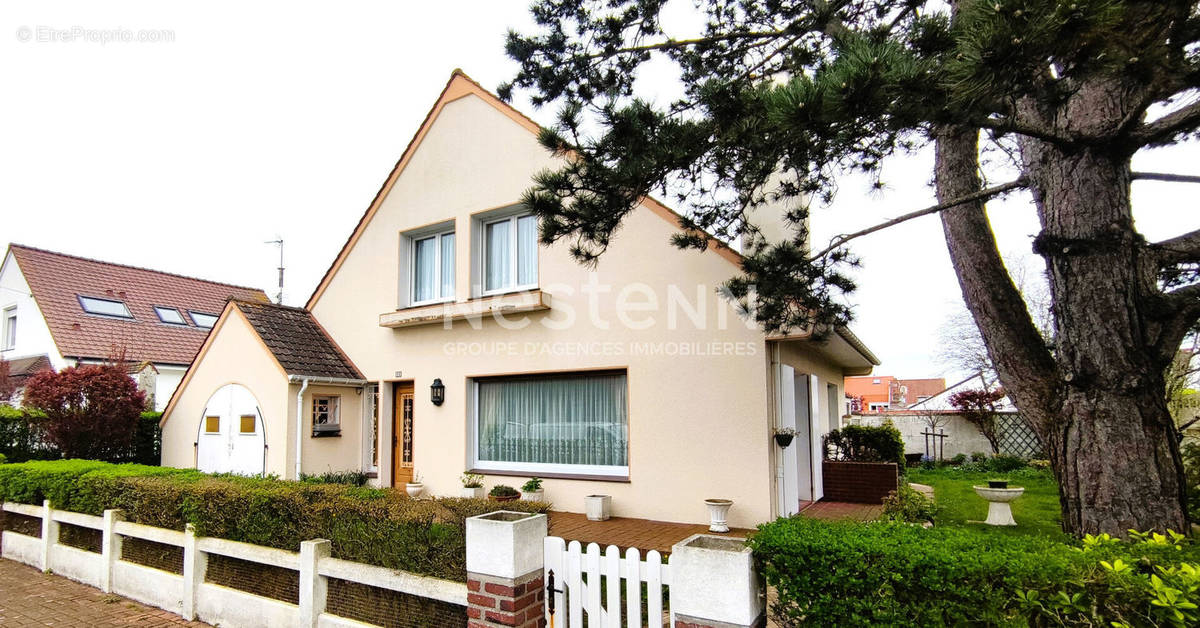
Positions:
(104, 307)
(169, 315)
(431, 265)
(203, 320)
(510, 254)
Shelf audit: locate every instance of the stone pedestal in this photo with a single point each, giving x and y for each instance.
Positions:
(504, 570)
(999, 512)
(714, 584)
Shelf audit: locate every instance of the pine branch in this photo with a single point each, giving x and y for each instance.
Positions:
(1177, 250)
(1168, 126)
(1166, 176)
(672, 44)
(975, 196)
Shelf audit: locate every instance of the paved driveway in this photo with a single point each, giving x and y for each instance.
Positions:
(30, 598)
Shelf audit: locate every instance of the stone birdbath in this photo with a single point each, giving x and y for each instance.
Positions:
(998, 495)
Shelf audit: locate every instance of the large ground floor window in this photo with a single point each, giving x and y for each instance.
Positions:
(575, 423)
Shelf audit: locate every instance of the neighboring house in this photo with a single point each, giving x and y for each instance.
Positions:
(444, 338)
(886, 392)
(59, 310)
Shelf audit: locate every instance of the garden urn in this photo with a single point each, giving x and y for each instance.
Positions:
(414, 489)
(718, 514)
(999, 512)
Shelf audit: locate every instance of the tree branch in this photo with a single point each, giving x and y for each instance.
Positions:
(1166, 127)
(671, 44)
(1166, 176)
(981, 195)
(1183, 248)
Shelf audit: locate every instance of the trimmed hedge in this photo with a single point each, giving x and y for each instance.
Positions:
(381, 527)
(895, 574)
(23, 438)
(865, 443)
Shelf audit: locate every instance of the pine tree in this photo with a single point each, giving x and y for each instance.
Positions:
(782, 96)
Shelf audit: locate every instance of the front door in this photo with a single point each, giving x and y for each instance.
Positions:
(402, 434)
(798, 471)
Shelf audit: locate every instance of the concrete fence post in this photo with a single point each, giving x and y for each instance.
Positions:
(195, 564)
(714, 585)
(49, 534)
(314, 587)
(504, 570)
(110, 548)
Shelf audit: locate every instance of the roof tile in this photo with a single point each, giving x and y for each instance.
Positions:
(298, 342)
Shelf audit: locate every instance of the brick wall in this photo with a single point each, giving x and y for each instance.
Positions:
(493, 601)
(859, 482)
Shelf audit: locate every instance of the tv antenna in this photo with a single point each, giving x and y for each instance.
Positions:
(279, 242)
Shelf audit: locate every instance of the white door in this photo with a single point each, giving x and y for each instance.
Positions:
(798, 474)
(231, 438)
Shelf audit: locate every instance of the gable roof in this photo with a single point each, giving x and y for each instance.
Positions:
(57, 280)
(297, 340)
(21, 369)
(461, 86)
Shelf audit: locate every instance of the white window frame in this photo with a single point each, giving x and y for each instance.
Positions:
(536, 468)
(333, 427)
(413, 239)
(10, 326)
(512, 241)
(158, 313)
(83, 306)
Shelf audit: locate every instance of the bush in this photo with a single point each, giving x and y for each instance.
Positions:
(958, 459)
(908, 505)
(91, 411)
(861, 443)
(23, 437)
(375, 526)
(1003, 464)
(503, 490)
(3, 460)
(852, 574)
(978, 456)
(352, 478)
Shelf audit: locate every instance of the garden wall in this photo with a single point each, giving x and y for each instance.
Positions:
(962, 437)
(859, 482)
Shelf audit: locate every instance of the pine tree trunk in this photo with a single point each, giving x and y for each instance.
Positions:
(1098, 403)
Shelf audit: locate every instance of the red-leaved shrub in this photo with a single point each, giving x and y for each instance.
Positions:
(91, 411)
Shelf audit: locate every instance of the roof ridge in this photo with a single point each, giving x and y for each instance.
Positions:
(14, 245)
(279, 306)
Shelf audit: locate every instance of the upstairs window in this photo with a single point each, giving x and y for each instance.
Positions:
(104, 307)
(510, 254)
(169, 315)
(10, 328)
(203, 320)
(432, 268)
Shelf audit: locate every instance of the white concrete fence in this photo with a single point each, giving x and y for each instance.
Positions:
(711, 580)
(189, 595)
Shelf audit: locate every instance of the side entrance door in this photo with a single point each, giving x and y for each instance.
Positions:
(402, 434)
(798, 476)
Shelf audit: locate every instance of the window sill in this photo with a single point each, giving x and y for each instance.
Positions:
(329, 434)
(555, 476)
(505, 304)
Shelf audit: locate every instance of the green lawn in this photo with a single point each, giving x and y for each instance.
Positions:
(1036, 512)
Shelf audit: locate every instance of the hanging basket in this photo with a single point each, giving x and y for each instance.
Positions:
(783, 440)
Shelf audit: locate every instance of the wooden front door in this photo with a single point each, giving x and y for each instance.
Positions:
(402, 434)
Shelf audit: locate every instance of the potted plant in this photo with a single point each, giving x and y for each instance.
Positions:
(531, 491)
(784, 436)
(472, 485)
(503, 493)
(415, 487)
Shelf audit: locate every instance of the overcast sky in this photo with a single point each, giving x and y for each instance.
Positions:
(242, 122)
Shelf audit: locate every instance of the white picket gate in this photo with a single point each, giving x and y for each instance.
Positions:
(577, 575)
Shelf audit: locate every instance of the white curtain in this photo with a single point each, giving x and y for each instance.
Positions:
(424, 258)
(499, 255)
(557, 420)
(447, 254)
(526, 250)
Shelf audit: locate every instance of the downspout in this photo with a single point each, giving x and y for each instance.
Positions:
(300, 423)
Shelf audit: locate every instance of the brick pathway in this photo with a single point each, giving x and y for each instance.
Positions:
(837, 511)
(30, 598)
(625, 532)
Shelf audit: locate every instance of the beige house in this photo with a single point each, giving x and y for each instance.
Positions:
(460, 343)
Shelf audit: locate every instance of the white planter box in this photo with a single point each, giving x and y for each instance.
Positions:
(505, 544)
(598, 507)
(534, 496)
(472, 493)
(713, 579)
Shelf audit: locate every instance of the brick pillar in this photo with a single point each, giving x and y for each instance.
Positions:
(504, 570)
(714, 585)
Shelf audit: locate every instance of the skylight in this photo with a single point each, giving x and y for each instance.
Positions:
(203, 320)
(169, 315)
(104, 307)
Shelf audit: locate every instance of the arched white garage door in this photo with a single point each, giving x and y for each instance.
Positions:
(231, 438)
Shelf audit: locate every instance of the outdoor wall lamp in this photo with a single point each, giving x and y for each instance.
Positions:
(437, 392)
